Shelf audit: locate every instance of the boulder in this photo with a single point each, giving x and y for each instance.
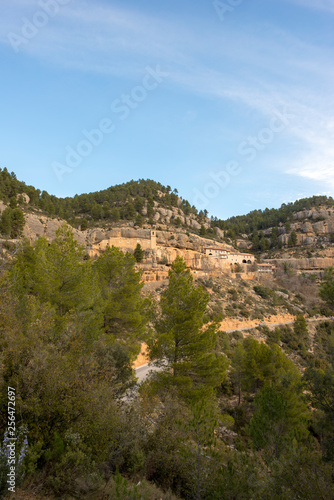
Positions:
(162, 211)
(80, 236)
(34, 227)
(307, 227)
(25, 197)
(319, 227)
(98, 236)
(52, 227)
(195, 224)
(283, 238)
(182, 240)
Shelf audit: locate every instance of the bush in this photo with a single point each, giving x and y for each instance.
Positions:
(12, 222)
(273, 336)
(289, 337)
(262, 291)
(119, 488)
(324, 340)
(84, 224)
(237, 335)
(138, 253)
(233, 293)
(244, 312)
(69, 461)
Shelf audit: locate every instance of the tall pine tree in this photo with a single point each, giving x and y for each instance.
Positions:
(183, 345)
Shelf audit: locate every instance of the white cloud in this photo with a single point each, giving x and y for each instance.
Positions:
(323, 5)
(262, 72)
(317, 167)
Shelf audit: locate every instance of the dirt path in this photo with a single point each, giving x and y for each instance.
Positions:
(232, 324)
(142, 358)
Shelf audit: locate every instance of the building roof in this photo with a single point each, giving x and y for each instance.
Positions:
(218, 248)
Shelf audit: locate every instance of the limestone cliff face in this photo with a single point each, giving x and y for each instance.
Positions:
(194, 259)
(165, 216)
(311, 226)
(305, 263)
(38, 225)
(161, 247)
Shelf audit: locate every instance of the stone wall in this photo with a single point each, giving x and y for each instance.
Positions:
(304, 263)
(125, 238)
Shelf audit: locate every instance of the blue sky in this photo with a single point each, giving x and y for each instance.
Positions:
(230, 102)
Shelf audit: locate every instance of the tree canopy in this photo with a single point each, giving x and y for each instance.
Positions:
(183, 344)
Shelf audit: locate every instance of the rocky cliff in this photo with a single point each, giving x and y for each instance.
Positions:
(312, 227)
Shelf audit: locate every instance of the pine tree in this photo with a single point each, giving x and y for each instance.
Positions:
(274, 237)
(256, 241)
(115, 214)
(123, 307)
(280, 416)
(139, 220)
(56, 273)
(237, 372)
(326, 290)
(138, 253)
(106, 209)
(264, 243)
(183, 345)
(17, 223)
(6, 222)
(293, 239)
(84, 224)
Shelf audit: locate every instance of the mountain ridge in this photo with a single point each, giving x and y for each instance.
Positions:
(145, 204)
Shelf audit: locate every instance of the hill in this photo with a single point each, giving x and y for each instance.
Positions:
(147, 213)
(241, 336)
(306, 222)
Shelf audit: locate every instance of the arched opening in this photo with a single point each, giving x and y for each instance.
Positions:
(244, 261)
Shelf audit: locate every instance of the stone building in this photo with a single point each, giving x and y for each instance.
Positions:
(231, 256)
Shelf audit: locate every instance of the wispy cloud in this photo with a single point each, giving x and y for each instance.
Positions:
(316, 166)
(105, 38)
(264, 71)
(324, 5)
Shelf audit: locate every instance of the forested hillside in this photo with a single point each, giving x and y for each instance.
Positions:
(263, 219)
(148, 202)
(227, 414)
(124, 201)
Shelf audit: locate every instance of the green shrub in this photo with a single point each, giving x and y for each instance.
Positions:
(324, 340)
(237, 335)
(273, 336)
(262, 291)
(289, 337)
(233, 293)
(119, 488)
